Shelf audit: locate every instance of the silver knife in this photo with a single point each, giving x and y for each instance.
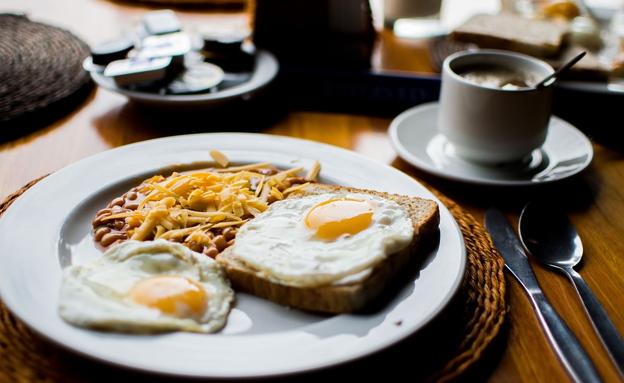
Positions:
(569, 350)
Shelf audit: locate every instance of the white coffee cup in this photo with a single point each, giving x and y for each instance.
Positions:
(493, 125)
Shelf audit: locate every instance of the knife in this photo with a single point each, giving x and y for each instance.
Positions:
(568, 349)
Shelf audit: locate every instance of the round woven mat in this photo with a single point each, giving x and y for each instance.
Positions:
(482, 309)
(41, 68)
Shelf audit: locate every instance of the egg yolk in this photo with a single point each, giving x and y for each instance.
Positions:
(335, 217)
(173, 295)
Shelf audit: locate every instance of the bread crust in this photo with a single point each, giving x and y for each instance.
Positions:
(339, 298)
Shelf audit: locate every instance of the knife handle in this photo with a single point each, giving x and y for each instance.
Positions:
(568, 348)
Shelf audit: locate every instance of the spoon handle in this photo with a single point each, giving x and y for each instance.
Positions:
(568, 348)
(549, 79)
(609, 335)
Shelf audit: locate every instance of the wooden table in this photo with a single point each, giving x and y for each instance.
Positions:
(595, 200)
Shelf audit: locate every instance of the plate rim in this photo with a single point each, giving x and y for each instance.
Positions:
(268, 59)
(591, 87)
(366, 351)
(415, 161)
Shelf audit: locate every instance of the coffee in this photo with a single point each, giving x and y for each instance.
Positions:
(498, 76)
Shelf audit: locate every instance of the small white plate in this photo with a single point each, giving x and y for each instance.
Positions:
(415, 137)
(264, 72)
(49, 228)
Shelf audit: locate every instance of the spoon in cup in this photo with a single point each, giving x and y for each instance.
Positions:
(553, 77)
(552, 239)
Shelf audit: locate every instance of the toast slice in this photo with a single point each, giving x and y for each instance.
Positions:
(589, 68)
(346, 295)
(512, 32)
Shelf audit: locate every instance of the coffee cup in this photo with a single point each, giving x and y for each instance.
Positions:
(490, 111)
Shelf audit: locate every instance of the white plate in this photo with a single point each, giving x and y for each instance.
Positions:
(49, 226)
(414, 135)
(612, 87)
(264, 72)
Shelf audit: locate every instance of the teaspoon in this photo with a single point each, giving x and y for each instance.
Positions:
(553, 77)
(551, 238)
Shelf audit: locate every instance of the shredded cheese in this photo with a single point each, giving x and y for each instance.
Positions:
(219, 158)
(185, 207)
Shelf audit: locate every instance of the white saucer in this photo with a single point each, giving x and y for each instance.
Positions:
(415, 137)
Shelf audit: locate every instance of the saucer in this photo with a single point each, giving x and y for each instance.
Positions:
(414, 135)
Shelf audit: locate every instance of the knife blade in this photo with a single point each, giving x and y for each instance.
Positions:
(510, 247)
(570, 352)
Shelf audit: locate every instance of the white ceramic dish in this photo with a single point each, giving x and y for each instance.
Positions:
(264, 72)
(49, 227)
(415, 137)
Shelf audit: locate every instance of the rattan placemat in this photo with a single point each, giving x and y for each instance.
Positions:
(41, 69)
(25, 357)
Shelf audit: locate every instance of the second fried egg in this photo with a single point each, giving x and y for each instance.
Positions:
(147, 287)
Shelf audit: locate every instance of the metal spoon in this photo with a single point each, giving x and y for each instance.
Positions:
(551, 238)
(553, 77)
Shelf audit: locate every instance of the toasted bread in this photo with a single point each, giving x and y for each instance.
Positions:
(512, 32)
(338, 297)
(588, 68)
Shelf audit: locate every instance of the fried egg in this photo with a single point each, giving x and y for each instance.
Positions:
(320, 239)
(147, 287)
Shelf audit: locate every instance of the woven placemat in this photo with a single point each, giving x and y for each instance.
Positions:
(25, 357)
(41, 68)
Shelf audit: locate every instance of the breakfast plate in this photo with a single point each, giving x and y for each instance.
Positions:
(49, 228)
(414, 135)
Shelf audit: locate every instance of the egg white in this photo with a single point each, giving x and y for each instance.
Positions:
(281, 248)
(95, 294)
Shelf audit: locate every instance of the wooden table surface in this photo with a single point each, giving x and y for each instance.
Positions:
(595, 200)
